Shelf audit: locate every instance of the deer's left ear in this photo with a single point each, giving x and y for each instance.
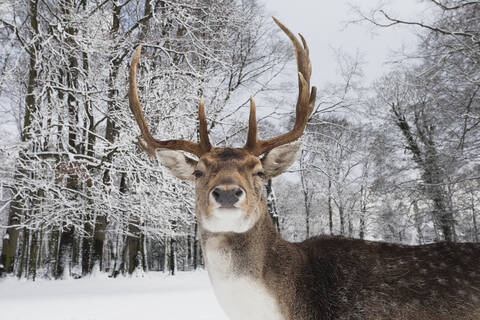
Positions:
(281, 158)
(177, 163)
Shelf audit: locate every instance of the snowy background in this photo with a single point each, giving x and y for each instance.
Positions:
(155, 295)
(392, 149)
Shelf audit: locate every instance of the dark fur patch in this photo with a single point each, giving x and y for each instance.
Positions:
(230, 154)
(226, 180)
(190, 161)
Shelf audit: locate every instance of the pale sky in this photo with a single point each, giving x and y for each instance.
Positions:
(323, 24)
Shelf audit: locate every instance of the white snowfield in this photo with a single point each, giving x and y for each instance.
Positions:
(155, 296)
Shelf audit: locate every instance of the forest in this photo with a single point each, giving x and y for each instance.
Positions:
(396, 160)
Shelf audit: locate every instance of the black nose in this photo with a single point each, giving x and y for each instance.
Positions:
(227, 198)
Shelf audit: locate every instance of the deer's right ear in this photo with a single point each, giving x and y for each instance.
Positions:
(177, 163)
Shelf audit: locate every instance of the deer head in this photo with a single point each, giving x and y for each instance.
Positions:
(228, 181)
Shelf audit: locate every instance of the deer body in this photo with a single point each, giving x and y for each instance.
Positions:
(256, 275)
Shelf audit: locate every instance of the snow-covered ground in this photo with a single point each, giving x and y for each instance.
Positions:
(154, 296)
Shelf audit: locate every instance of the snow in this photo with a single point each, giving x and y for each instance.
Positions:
(155, 296)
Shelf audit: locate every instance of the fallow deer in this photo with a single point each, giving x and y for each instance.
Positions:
(258, 275)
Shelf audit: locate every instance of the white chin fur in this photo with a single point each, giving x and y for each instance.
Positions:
(227, 220)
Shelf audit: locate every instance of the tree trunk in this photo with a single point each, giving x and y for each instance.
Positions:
(67, 237)
(188, 260)
(10, 240)
(330, 209)
(98, 243)
(88, 239)
(41, 249)
(86, 247)
(173, 256)
(9, 246)
(307, 221)
(350, 223)
(443, 216)
(121, 260)
(363, 212)
(341, 214)
(272, 204)
(428, 162)
(111, 134)
(165, 255)
(418, 223)
(32, 263)
(196, 247)
(76, 249)
(144, 252)
(53, 252)
(134, 252)
(474, 220)
(65, 250)
(362, 225)
(26, 235)
(115, 256)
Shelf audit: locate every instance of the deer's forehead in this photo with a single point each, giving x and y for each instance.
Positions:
(229, 158)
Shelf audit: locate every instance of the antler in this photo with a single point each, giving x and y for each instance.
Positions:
(305, 102)
(150, 144)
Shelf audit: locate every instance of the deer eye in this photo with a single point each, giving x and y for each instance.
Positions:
(260, 174)
(198, 174)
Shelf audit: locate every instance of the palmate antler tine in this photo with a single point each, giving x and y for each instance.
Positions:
(305, 101)
(149, 143)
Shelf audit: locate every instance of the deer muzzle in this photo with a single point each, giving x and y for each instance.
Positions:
(227, 196)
